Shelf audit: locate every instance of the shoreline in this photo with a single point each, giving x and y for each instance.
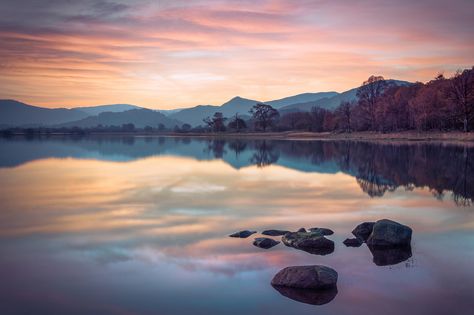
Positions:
(408, 136)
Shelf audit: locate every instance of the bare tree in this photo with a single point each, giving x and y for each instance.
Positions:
(369, 93)
(237, 123)
(216, 122)
(462, 93)
(264, 115)
(344, 116)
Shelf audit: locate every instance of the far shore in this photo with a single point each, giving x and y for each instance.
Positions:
(454, 136)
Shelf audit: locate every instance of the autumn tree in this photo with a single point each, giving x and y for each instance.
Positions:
(295, 121)
(264, 115)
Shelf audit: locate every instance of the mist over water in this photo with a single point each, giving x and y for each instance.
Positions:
(137, 225)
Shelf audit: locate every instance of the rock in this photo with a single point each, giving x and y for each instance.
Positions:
(315, 277)
(243, 234)
(363, 230)
(275, 232)
(323, 231)
(311, 242)
(308, 296)
(387, 233)
(390, 256)
(353, 242)
(302, 230)
(265, 242)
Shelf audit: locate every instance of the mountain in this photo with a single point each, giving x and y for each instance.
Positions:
(238, 105)
(168, 112)
(139, 117)
(14, 113)
(300, 98)
(115, 108)
(333, 102)
(195, 115)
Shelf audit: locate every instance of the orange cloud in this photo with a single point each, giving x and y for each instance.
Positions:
(180, 54)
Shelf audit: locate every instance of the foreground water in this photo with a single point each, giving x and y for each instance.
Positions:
(140, 225)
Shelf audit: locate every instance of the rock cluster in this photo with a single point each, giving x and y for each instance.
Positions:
(388, 241)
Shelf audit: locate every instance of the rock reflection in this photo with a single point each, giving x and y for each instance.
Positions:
(313, 297)
(390, 256)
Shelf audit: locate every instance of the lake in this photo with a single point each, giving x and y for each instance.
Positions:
(140, 225)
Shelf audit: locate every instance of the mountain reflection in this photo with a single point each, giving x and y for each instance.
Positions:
(378, 168)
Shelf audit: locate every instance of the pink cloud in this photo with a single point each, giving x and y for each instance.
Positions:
(262, 50)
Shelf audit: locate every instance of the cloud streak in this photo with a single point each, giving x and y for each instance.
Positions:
(144, 52)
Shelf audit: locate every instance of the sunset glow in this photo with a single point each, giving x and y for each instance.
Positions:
(169, 54)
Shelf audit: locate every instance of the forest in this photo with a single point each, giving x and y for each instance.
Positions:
(442, 104)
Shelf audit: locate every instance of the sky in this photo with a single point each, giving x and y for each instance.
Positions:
(172, 54)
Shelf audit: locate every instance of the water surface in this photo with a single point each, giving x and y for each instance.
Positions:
(139, 225)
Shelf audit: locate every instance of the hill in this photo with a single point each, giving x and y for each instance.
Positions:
(300, 98)
(139, 117)
(115, 108)
(14, 113)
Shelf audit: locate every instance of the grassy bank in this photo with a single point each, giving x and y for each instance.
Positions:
(294, 135)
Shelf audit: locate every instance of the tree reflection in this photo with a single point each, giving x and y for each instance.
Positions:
(265, 154)
(446, 170)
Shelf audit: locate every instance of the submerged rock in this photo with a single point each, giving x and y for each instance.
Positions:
(388, 233)
(353, 242)
(363, 230)
(265, 242)
(275, 232)
(315, 277)
(311, 242)
(308, 296)
(243, 234)
(390, 256)
(323, 231)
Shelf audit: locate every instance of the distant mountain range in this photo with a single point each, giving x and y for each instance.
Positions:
(115, 108)
(141, 118)
(14, 113)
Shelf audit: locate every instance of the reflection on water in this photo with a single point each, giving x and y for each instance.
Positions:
(136, 225)
(390, 256)
(313, 297)
(377, 168)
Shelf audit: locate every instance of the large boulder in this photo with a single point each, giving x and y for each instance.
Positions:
(243, 234)
(265, 242)
(311, 242)
(323, 231)
(315, 277)
(275, 232)
(308, 296)
(387, 233)
(363, 230)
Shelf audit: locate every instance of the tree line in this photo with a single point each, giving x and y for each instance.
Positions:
(441, 104)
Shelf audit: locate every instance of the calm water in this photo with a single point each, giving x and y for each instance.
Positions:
(140, 225)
